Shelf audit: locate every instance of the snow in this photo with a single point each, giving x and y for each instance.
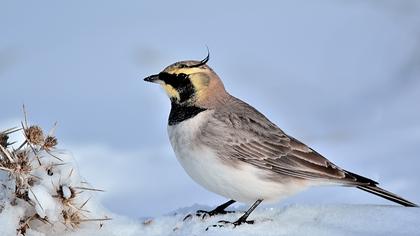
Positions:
(66, 191)
(290, 220)
(9, 219)
(45, 205)
(310, 220)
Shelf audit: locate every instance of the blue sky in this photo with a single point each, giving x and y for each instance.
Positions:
(342, 76)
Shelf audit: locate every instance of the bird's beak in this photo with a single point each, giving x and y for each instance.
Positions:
(153, 79)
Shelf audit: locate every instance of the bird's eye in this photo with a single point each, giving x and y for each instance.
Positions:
(182, 66)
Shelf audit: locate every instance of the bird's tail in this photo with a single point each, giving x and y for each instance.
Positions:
(387, 195)
(371, 186)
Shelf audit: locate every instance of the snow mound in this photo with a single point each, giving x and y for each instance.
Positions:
(298, 220)
(289, 220)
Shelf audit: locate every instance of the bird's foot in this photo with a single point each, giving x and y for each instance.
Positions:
(224, 223)
(204, 214)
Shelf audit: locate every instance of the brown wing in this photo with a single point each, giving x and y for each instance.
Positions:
(244, 134)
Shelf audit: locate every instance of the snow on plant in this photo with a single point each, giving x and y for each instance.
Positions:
(42, 185)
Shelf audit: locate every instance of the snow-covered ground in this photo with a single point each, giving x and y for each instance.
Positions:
(342, 76)
(292, 220)
(297, 220)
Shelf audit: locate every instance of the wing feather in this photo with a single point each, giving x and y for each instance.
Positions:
(244, 134)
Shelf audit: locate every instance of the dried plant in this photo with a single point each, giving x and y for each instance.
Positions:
(22, 163)
(3, 139)
(50, 142)
(34, 135)
(4, 136)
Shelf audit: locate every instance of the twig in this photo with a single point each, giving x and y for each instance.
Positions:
(53, 155)
(52, 131)
(11, 130)
(25, 115)
(22, 145)
(90, 189)
(6, 152)
(36, 177)
(80, 208)
(71, 172)
(36, 199)
(100, 219)
(6, 169)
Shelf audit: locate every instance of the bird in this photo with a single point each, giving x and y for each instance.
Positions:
(230, 148)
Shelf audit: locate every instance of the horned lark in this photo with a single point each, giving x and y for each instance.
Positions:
(233, 150)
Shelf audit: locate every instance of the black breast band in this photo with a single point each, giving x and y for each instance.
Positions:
(180, 113)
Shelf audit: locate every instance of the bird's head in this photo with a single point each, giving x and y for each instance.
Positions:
(190, 83)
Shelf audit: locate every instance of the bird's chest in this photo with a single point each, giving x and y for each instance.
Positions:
(198, 160)
(185, 138)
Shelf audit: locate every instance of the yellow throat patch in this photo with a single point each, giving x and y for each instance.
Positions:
(172, 93)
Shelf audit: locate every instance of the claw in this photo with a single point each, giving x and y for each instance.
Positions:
(204, 214)
(187, 217)
(223, 223)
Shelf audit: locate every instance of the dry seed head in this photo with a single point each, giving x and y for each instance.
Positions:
(20, 166)
(23, 163)
(34, 135)
(3, 139)
(23, 226)
(71, 218)
(50, 142)
(22, 194)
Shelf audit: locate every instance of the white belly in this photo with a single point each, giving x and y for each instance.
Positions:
(242, 182)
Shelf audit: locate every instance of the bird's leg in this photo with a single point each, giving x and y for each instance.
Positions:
(220, 210)
(241, 219)
(216, 211)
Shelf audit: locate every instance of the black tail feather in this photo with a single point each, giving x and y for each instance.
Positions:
(371, 186)
(387, 195)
